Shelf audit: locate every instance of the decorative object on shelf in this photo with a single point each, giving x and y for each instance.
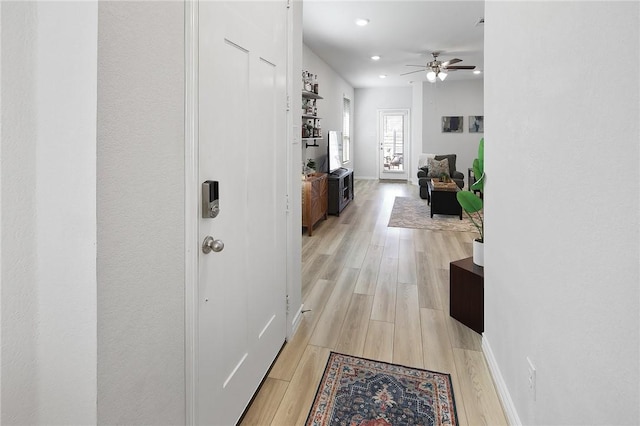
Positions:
(473, 204)
(476, 124)
(452, 124)
(310, 82)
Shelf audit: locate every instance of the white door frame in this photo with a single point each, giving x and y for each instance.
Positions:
(407, 143)
(191, 210)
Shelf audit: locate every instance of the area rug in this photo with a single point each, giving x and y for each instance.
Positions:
(416, 213)
(362, 392)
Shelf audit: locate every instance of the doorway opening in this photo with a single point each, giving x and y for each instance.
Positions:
(393, 138)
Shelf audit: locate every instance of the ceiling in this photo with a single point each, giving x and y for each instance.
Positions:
(400, 32)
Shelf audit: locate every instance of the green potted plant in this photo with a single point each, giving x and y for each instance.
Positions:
(311, 165)
(444, 177)
(473, 204)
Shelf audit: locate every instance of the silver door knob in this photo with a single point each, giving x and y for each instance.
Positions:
(209, 245)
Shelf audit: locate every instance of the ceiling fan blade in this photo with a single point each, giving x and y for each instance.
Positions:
(411, 72)
(451, 61)
(461, 67)
(414, 65)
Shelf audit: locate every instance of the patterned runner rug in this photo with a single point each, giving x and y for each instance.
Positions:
(361, 392)
(416, 213)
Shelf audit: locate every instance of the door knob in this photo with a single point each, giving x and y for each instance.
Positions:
(209, 245)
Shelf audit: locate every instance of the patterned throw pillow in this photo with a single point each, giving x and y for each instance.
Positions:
(437, 168)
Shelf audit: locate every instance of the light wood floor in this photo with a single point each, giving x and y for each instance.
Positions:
(380, 293)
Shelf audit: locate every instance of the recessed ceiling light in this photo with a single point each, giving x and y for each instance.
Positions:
(382, 76)
(375, 57)
(362, 22)
(477, 72)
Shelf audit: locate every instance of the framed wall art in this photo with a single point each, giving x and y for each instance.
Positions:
(476, 124)
(452, 124)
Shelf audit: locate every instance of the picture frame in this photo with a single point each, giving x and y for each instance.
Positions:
(452, 124)
(476, 124)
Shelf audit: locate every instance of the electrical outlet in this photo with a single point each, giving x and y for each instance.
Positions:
(532, 378)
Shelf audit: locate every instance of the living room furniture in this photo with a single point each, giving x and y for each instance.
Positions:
(466, 293)
(340, 190)
(314, 200)
(423, 172)
(443, 199)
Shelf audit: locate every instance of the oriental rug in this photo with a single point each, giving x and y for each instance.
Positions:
(416, 213)
(362, 392)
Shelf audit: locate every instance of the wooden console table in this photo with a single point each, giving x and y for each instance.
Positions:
(466, 293)
(314, 200)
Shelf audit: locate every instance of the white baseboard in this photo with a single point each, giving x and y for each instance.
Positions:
(367, 178)
(501, 386)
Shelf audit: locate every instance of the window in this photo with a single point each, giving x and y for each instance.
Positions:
(346, 124)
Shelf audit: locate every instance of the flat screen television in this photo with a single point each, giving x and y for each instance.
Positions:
(334, 150)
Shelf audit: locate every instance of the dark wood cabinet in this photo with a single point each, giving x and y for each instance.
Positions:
(340, 190)
(466, 291)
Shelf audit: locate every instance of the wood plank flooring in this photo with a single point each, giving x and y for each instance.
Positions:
(380, 293)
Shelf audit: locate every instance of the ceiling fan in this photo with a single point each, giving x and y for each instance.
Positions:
(438, 69)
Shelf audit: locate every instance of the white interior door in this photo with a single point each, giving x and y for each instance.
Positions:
(241, 289)
(393, 140)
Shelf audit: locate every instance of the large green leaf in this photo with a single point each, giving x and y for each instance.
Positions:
(478, 172)
(481, 156)
(470, 202)
(478, 169)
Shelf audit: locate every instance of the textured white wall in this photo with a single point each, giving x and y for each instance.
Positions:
(332, 88)
(366, 146)
(141, 365)
(452, 98)
(48, 212)
(19, 285)
(562, 203)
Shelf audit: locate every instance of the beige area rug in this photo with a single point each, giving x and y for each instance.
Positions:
(416, 213)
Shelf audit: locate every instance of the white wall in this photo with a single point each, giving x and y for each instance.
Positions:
(452, 98)
(366, 147)
(48, 227)
(562, 203)
(141, 329)
(333, 89)
(417, 106)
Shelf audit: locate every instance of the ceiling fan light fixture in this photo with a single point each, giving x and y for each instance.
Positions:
(431, 76)
(442, 75)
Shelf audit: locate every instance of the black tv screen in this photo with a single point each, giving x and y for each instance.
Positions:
(334, 150)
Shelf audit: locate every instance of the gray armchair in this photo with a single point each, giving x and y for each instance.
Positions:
(423, 174)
